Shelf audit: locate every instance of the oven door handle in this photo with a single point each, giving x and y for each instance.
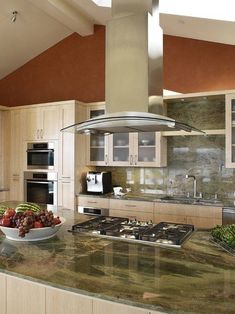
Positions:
(41, 182)
(40, 150)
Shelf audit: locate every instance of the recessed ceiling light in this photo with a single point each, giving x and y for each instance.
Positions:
(103, 3)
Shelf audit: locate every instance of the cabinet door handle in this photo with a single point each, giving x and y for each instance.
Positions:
(106, 159)
(37, 133)
(136, 159)
(131, 159)
(41, 133)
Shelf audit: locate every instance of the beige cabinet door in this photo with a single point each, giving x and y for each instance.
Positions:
(103, 307)
(64, 302)
(67, 144)
(121, 149)
(16, 188)
(49, 123)
(139, 210)
(66, 194)
(150, 149)
(17, 147)
(3, 294)
(24, 297)
(32, 124)
(42, 123)
(97, 145)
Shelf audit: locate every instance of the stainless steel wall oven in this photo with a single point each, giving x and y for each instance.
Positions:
(41, 187)
(41, 155)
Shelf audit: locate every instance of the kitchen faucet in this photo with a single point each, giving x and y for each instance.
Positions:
(187, 176)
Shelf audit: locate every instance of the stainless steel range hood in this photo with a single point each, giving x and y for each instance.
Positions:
(126, 122)
(133, 78)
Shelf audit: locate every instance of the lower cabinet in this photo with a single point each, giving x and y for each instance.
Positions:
(139, 210)
(23, 296)
(3, 294)
(64, 302)
(102, 307)
(66, 194)
(16, 188)
(202, 217)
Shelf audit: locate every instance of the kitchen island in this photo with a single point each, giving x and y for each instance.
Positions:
(198, 278)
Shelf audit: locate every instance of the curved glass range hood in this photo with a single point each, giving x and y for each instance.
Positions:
(127, 122)
(133, 73)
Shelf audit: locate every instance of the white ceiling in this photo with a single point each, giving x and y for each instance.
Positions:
(40, 24)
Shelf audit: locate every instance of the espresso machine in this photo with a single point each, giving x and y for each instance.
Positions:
(99, 182)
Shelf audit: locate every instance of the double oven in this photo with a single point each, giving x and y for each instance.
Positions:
(41, 177)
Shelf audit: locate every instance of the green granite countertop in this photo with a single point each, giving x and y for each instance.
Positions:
(198, 278)
(162, 198)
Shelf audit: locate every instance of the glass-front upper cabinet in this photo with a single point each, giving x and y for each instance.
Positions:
(138, 149)
(120, 149)
(97, 144)
(230, 131)
(150, 149)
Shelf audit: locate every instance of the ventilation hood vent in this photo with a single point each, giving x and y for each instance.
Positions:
(133, 73)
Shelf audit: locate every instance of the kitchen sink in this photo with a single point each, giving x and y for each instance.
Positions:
(192, 200)
(171, 199)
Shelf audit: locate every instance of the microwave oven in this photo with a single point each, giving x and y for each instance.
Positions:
(41, 155)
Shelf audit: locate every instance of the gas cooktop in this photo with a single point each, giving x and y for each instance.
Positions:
(162, 234)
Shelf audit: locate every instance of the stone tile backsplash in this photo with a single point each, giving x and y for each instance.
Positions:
(201, 156)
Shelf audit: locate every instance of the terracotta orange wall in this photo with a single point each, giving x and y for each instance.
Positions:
(75, 69)
(72, 69)
(194, 65)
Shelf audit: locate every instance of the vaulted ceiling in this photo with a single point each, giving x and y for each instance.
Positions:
(41, 24)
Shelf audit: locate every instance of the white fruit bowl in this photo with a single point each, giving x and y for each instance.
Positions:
(35, 234)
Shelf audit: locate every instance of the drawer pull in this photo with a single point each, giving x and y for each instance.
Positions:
(130, 206)
(92, 202)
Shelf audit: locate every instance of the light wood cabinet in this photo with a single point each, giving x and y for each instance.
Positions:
(16, 188)
(101, 307)
(139, 210)
(17, 155)
(71, 159)
(42, 123)
(66, 195)
(4, 148)
(97, 145)
(230, 131)
(25, 297)
(3, 294)
(138, 149)
(98, 202)
(204, 217)
(61, 302)
(125, 149)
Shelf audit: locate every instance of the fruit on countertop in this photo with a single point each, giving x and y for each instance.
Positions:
(225, 233)
(27, 206)
(27, 219)
(3, 208)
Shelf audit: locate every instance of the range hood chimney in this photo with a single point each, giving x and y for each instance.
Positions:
(133, 74)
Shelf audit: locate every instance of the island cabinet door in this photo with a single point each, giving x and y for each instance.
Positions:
(65, 302)
(25, 297)
(3, 294)
(101, 307)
